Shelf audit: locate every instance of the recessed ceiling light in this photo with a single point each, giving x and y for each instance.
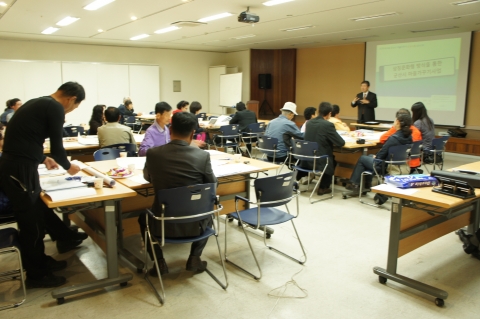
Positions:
(100, 30)
(215, 17)
(50, 30)
(138, 37)
(244, 36)
(97, 4)
(462, 3)
(376, 16)
(66, 21)
(275, 2)
(133, 18)
(299, 28)
(430, 30)
(3, 4)
(168, 29)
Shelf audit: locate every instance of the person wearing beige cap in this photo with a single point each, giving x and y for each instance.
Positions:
(281, 125)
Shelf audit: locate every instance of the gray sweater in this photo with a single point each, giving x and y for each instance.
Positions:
(427, 134)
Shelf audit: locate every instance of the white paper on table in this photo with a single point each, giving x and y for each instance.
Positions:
(394, 189)
(348, 139)
(87, 141)
(215, 152)
(219, 162)
(138, 178)
(48, 187)
(232, 169)
(125, 161)
(68, 194)
(52, 172)
(139, 137)
(80, 164)
(386, 124)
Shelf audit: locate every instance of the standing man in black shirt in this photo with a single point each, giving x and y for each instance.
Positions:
(37, 120)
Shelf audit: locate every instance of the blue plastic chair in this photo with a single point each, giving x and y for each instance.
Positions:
(271, 192)
(305, 151)
(183, 205)
(73, 131)
(229, 137)
(268, 147)
(249, 136)
(105, 154)
(132, 122)
(397, 155)
(417, 153)
(131, 149)
(438, 150)
(9, 244)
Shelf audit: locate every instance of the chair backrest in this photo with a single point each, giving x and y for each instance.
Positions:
(255, 128)
(131, 149)
(399, 154)
(105, 154)
(275, 188)
(438, 144)
(416, 150)
(267, 143)
(230, 130)
(6, 212)
(185, 201)
(304, 150)
(152, 113)
(131, 120)
(74, 130)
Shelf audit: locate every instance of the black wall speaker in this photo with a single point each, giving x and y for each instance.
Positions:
(265, 81)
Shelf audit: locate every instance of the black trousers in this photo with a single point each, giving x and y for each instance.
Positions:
(20, 182)
(195, 250)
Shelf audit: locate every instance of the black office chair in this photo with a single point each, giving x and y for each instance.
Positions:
(130, 148)
(105, 154)
(182, 205)
(307, 152)
(271, 192)
(73, 131)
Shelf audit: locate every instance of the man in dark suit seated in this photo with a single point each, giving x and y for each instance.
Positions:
(366, 102)
(177, 164)
(320, 130)
(243, 118)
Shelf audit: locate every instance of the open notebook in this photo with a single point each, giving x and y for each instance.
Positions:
(66, 187)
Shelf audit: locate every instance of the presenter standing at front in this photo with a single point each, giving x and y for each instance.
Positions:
(366, 102)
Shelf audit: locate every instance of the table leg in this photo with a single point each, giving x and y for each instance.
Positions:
(391, 271)
(125, 253)
(112, 260)
(475, 222)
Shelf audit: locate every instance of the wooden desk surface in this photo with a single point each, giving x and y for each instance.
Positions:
(106, 193)
(427, 196)
(104, 166)
(380, 127)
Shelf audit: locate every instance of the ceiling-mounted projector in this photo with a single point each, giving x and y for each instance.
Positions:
(248, 17)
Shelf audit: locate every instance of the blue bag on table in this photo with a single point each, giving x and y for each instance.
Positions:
(411, 181)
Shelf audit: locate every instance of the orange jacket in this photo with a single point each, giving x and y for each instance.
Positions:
(416, 136)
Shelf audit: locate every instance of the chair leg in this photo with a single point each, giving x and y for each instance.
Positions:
(284, 254)
(14, 274)
(361, 191)
(251, 249)
(224, 286)
(315, 188)
(160, 297)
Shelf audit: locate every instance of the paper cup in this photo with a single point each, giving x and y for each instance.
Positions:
(131, 167)
(123, 154)
(98, 183)
(237, 158)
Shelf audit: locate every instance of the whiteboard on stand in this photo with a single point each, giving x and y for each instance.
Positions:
(230, 89)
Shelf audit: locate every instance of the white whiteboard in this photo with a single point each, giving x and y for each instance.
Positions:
(230, 89)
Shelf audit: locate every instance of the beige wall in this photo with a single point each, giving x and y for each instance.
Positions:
(241, 59)
(334, 74)
(472, 119)
(331, 74)
(191, 67)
